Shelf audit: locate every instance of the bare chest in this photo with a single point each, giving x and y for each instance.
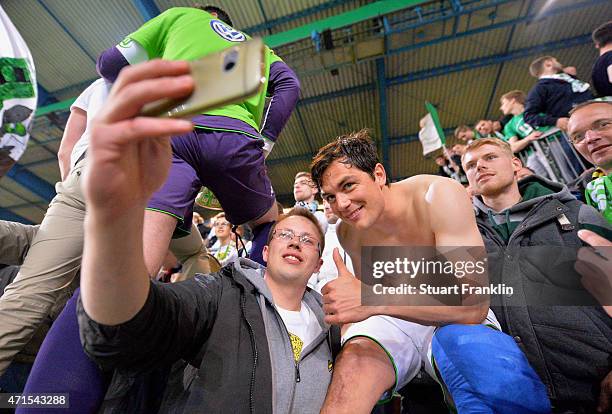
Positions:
(411, 233)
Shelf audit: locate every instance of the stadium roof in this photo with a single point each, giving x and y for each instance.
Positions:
(361, 64)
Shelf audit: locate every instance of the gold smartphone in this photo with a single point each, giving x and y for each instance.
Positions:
(222, 78)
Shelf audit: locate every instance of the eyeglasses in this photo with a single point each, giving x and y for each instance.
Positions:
(305, 240)
(221, 224)
(597, 126)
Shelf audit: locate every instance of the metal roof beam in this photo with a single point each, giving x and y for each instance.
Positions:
(55, 107)
(490, 60)
(308, 156)
(44, 97)
(506, 23)
(265, 16)
(360, 14)
(296, 158)
(267, 25)
(147, 9)
(65, 29)
(65, 105)
(415, 137)
(456, 67)
(41, 205)
(439, 71)
(39, 162)
(32, 182)
(10, 216)
(36, 204)
(336, 94)
(381, 83)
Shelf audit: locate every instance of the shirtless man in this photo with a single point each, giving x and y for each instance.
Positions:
(389, 343)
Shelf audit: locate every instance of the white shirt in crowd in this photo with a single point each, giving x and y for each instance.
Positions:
(328, 270)
(90, 101)
(303, 327)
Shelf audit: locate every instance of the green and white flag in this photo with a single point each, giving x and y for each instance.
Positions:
(17, 91)
(431, 134)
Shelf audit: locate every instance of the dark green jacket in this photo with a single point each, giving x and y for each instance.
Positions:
(570, 347)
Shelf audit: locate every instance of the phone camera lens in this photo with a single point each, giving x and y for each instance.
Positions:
(229, 61)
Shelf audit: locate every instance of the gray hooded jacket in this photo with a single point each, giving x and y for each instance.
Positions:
(570, 347)
(225, 326)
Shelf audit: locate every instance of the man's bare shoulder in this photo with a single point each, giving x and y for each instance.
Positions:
(426, 186)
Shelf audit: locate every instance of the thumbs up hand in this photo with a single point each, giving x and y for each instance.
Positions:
(342, 296)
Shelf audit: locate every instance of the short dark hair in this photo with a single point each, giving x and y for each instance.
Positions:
(355, 149)
(221, 14)
(301, 212)
(602, 36)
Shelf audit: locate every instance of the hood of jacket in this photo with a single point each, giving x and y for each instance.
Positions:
(533, 189)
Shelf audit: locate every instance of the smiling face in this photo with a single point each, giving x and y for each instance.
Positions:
(489, 169)
(354, 195)
(590, 129)
(291, 260)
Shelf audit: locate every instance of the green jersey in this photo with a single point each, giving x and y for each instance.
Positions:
(517, 127)
(187, 33)
(599, 195)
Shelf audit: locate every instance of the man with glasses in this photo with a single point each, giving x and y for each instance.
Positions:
(590, 130)
(257, 335)
(224, 248)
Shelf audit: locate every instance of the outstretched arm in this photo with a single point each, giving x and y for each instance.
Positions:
(129, 158)
(284, 91)
(520, 144)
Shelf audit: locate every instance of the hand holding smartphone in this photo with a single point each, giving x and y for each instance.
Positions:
(222, 78)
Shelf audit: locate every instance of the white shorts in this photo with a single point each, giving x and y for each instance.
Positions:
(407, 344)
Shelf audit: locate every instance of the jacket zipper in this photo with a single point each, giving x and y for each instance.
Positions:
(255, 355)
(550, 389)
(297, 371)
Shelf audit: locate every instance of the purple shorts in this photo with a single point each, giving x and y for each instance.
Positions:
(230, 163)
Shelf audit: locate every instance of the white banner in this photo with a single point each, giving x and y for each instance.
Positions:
(428, 135)
(17, 90)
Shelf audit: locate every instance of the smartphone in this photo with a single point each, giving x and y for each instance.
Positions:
(222, 78)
